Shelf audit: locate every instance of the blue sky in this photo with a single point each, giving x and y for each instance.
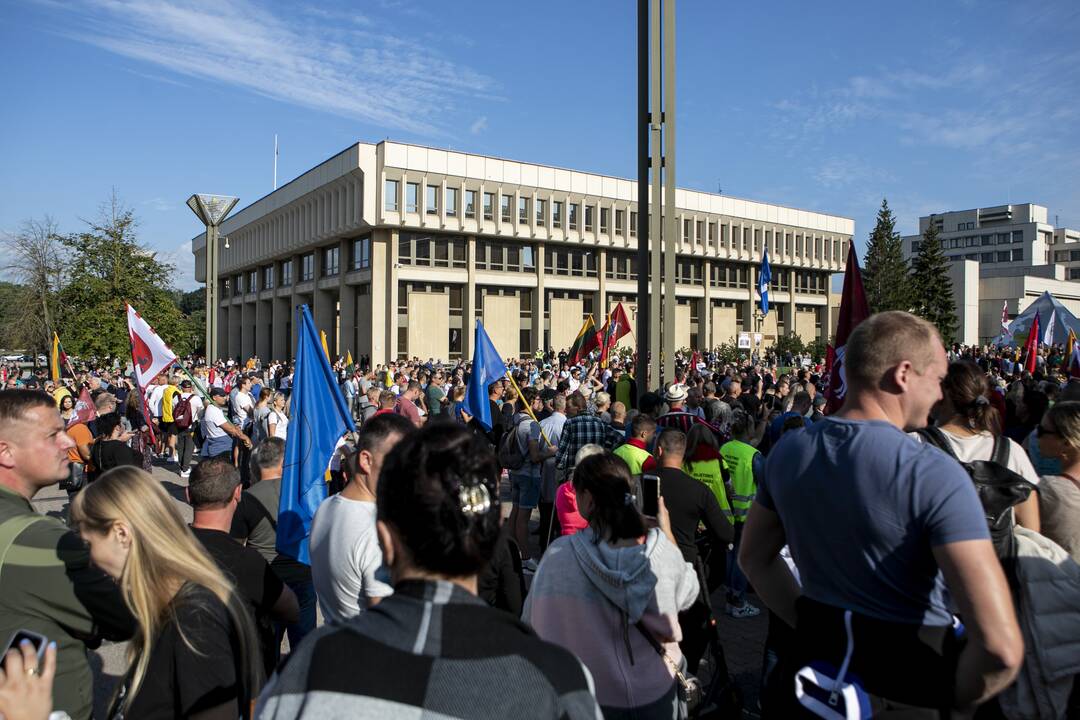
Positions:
(829, 106)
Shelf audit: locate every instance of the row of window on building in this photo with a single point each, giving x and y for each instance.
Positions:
(700, 231)
(450, 251)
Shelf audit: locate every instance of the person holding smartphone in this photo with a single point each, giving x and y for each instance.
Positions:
(599, 591)
(26, 679)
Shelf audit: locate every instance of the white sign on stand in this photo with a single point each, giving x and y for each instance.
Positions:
(744, 341)
(757, 339)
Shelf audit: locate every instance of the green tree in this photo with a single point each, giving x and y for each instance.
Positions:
(108, 268)
(931, 286)
(885, 275)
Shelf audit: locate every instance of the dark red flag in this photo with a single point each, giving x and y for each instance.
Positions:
(853, 310)
(1031, 347)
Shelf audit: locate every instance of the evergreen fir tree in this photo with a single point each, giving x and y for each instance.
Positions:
(885, 274)
(931, 286)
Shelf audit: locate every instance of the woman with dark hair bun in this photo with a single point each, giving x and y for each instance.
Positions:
(612, 593)
(430, 647)
(971, 425)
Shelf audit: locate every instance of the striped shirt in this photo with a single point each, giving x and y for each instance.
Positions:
(432, 649)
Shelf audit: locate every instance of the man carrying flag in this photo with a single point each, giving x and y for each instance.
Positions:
(616, 327)
(764, 278)
(586, 341)
(853, 310)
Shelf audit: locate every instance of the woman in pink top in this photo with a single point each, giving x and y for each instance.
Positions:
(566, 508)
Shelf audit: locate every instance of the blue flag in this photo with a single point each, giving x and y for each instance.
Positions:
(487, 367)
(318, 417)
(764, 278)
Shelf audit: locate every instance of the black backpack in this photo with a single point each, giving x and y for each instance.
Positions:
(510, 455)
(999, 488)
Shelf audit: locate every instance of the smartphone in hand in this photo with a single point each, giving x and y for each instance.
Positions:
(650, 495)
(39, 641)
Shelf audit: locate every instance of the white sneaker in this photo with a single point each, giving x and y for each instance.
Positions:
(185, 473)
(742, 611)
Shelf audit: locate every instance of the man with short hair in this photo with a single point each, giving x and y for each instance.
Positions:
(880, 526)
(551, 428)
(744, 466)
(214, 493)
(436, 397)
(581, 429)
(218, 433)
(525, 480)
(406, 404)
(255, 522)
(345, 552)
(635, 451)
(47, 584)
(690, 503)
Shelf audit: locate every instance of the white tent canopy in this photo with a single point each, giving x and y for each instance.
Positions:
(1044, 307)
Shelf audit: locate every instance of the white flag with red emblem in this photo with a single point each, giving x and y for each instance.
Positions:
(149, 353)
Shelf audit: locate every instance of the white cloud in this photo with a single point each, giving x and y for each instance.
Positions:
(159, 204)
(183, 262)
(306, 60)
(479, 125)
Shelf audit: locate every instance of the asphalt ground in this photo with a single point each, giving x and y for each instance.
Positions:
(743, 639)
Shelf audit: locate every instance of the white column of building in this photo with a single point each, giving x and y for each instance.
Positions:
(468, 321)
(540, 304)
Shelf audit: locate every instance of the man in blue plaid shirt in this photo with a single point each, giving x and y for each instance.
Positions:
(580, 430)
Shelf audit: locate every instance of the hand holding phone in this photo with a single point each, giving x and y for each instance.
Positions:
(650, 495)
(37, 640)
(26, 680)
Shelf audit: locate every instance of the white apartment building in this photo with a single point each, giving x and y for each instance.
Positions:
(1006, 253)
(398, 248)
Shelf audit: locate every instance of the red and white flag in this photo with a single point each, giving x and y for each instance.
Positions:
(615, 328)
(149, 353)
(84, 408)
(1005, 318)
(853, 310)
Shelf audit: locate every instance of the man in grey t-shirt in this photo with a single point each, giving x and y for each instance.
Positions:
(525, 481)
(880, 525)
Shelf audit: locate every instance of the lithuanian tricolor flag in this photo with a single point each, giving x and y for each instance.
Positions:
(586, 341)
(56, 359)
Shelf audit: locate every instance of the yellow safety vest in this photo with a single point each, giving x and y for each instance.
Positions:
(634, 457)
(739, 459)
(709, 473)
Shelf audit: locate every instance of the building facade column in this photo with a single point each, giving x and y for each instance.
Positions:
(790, 319)
(601, 275)
(540, 304)
(705, 311)
(468, 322)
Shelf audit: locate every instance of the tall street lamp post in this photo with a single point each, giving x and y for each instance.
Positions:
(212, 210)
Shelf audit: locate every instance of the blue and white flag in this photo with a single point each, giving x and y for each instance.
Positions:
(318, 417)
(487, 367)
(1048, 336)
(764, 278)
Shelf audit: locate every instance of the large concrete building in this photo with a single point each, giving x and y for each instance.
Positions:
(398, 248)
(1003, 254)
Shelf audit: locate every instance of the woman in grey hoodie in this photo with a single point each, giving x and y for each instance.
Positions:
(599, 591)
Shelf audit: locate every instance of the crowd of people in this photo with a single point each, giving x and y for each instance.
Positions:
(915, 548)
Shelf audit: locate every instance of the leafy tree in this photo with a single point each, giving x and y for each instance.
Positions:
(816, 349)
(788, 343)
(108, 268)
(931, 286)
(885, 275)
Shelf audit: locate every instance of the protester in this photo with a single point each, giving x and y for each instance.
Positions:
(900, 522)
(218, 432)
(525, 480)
(970, 425)
(110, 448)
(689, 504)
(566, 505)
(704, 463)
(48, 585)
(277, 420)
(196, 651)
(635, 451)
(406, 403)
(255, 523)
(214, 493)
(551, 429)
(259, 427)
(344, 546)
(431, 646)
(619, 581)
(186, 416)
(581, 429)
(744, 463)
(1059, 495)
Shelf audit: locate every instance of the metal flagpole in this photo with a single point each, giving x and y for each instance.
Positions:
(527, 408)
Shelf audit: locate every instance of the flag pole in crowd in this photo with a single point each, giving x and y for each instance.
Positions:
(1031, 347)
(853, 310)
(318, 418)
(150, 356)
(487, 367)
(586, 341)
(57, 358)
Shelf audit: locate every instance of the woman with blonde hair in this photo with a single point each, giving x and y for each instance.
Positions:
(1059, 495)
(195, 653)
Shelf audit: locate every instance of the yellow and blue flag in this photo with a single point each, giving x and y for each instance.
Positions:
(487, 367)
(317, 419)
